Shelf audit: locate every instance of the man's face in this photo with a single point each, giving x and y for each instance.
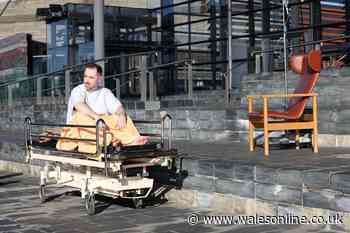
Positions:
(91, 78)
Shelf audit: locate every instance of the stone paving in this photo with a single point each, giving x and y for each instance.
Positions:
(21, 211)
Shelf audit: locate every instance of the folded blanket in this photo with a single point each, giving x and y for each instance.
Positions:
(125, 136)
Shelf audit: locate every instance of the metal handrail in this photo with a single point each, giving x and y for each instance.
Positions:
(302, 45)
(150, 68)
(61, 71)
(62, 74)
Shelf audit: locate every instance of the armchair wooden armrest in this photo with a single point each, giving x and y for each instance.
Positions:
(282, 95)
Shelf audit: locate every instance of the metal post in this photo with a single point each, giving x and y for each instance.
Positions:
(151, 86)
(186, 78)
(143, 79)
(316, 20)
(308, 38)
(10, 95)
(347, 27)
(251, 29)
(117, 88)
(213, 48)
(347, 19)
(257, 63)
(223, 34)
(124, 78)
(265, 43)
(189, 80)
(99, 40)
(295, 13)
(38, 90)
(67, 87)
(285, 15)
(189, 11)
(52, 87)
(229, 37)
(227, 93)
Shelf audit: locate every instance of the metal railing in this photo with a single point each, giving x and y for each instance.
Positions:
(56, 86)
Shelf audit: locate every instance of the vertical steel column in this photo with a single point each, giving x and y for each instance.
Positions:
(10, 94)
(347, 27)
(251, 28)
(151, 86)
(38, 90)
(266, 40)
(168, 43)
(294, 15)
(189, 12)
(67, 87)
(316, 20)
(212, 10)
(223, 43)
(347, 19)
(117, 88)
(285, 43)
(143, 78)
(229, 38)
(189, 80)
(99, 40)
(124, 63)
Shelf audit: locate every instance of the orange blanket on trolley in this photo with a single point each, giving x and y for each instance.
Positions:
(124, 136)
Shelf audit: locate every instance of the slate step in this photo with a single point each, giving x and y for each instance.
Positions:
(189, 115)
(310, 186)
(197, 95)
(206, 135)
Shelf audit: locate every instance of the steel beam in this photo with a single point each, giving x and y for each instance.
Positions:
(316, 20)
(99, 40)
(213, 47)
(266, 40)
(251, 30)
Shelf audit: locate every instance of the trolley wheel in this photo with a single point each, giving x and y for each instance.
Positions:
(138, 203)
(90, 203)
(42, 195)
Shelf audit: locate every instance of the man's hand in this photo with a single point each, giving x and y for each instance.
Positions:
(84, 109)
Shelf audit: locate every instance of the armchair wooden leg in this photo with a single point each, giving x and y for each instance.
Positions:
(315, 127)
(266, 142)
(251, 136)
(297, 139)
(266, 127)
(315, 139)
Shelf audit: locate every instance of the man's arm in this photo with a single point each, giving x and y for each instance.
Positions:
(86, 110)
(121, 117)
(116, 108)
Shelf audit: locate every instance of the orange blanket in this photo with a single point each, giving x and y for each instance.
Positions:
(125, 136)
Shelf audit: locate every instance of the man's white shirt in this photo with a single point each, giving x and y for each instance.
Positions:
(101, 101)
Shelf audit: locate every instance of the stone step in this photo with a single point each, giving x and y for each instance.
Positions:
(218, 103)
(195, 118)
(323, 186)
(193, 124)
(197, 95)
(208, 135)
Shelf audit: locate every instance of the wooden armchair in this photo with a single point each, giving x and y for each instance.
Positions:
(293, 118)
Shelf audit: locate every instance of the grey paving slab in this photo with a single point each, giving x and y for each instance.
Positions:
(23, 213)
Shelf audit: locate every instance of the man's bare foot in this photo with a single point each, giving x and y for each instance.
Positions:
(140, 140)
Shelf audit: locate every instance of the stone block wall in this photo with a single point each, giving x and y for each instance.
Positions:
(240, 187)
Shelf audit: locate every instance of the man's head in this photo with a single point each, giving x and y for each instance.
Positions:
(92, 77)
